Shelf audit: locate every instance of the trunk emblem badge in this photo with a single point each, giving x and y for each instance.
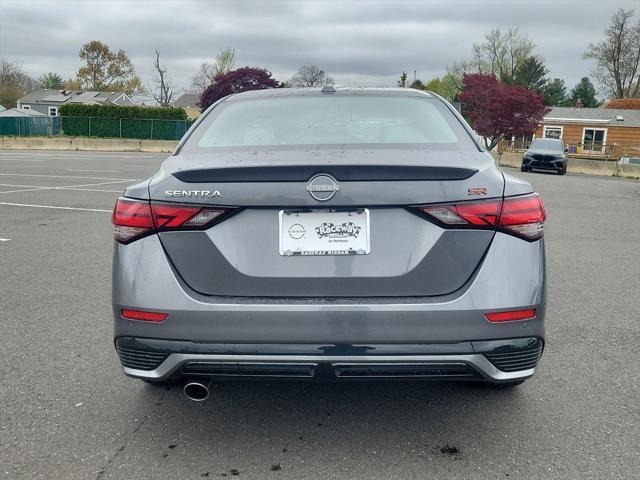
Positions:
(322, 187)
(477, 191)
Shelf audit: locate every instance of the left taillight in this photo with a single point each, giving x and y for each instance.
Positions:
(131, 220)
(134, 219)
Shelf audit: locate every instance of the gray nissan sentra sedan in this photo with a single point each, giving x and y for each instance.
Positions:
(335, 233)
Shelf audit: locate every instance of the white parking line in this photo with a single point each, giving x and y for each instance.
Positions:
(72, 155)
(34, 188)
(69, 176)
(55, 207)
(20, 159)
(94, 171)
(4, 239)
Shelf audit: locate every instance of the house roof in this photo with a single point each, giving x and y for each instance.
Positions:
(20, 112)
(187, 100)
(594, 116)
(59, 97)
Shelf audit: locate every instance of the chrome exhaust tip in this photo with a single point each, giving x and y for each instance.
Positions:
(197, 390)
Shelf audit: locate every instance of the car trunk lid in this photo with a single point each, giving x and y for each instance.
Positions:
(406, 254)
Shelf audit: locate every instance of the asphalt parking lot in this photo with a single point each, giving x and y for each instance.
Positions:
(67, 411)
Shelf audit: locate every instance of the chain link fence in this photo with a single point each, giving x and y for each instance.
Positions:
(99, 127)
(30, 126)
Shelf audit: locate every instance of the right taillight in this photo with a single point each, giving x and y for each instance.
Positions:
(520, 216)
(134, 219)
(523, 216)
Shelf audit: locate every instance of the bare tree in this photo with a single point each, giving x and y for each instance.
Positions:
(310, 76)
(458, 70)
(14, 83)
(163, 91)
(618, 56)
(501, 54)
(209, 72)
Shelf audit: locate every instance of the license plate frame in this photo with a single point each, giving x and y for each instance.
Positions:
(324, 232)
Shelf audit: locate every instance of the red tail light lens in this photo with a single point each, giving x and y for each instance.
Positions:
(143, 315)
(512, 315)
(168, 217)
(520, 216)
(133, 219)
(523, 216)
(473, 214)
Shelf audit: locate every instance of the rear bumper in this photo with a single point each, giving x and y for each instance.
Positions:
(445, 337)
(495, 361)
(511, 276)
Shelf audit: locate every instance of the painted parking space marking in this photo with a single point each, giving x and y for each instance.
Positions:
(68, 176)
(5, 239)
(5, 159)
(34, 188)
(10, 204)
(94, 171)
(72, 155)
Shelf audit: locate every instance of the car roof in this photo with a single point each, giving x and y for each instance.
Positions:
(317, 91)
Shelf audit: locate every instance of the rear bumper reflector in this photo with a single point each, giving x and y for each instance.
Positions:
(145, 316)
(511, 315)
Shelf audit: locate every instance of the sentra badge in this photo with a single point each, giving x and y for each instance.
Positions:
(193, 193)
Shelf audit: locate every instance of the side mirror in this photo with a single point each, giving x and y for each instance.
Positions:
(526, 147)
(566, 150)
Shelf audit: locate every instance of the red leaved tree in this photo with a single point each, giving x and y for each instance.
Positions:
(497, 110)
(236, 81)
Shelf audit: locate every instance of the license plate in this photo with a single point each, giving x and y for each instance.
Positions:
(324, 232)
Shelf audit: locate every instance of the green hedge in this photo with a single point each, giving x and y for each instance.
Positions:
(117, 111)
(141, 128)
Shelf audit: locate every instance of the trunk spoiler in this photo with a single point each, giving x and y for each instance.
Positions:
(344, 173)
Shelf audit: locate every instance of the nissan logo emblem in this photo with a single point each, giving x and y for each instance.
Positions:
(322, 187)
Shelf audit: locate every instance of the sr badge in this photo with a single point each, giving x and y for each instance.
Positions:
(477, 191)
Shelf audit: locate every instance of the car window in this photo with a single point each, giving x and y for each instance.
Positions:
(544, 144)
(340, 120)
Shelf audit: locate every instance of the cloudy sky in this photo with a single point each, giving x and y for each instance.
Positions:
(357, 42)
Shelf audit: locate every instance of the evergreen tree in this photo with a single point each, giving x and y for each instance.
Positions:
(403, 80)
(555, 93)
(50, 80)
(586, 92)
(531, 74)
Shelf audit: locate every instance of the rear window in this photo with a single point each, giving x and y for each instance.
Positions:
(331, 120)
